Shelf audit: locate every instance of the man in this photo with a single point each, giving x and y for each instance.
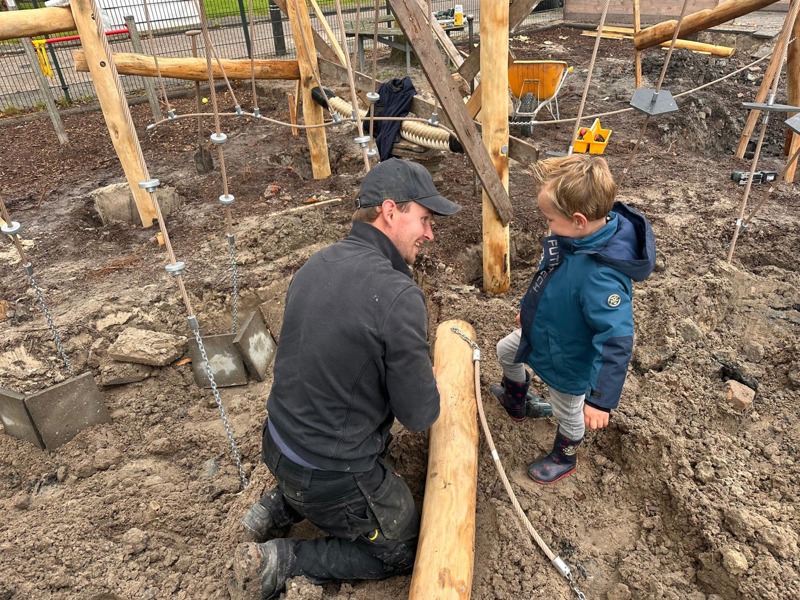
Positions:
(353, 355)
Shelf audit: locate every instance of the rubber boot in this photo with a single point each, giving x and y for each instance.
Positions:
(558, 464)
(266, 519)
(519, 404)
(261, 570)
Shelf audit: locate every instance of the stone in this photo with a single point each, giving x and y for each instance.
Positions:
(134, 541)
(224, 359)
(734, 561)
(115, 204)
(16, 419)
(114, 372)
(739, 395)
(117, 318)
(690, 331)
(147, 347)
(704, 472)
(256, 345)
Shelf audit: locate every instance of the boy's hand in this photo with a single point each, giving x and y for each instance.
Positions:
(593, 418)
(519, 319)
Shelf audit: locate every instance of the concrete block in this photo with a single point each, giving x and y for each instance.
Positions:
(223, 358)
(739, 395)
(115, 204)
(147, 347)
(256, 345)
(63, 410)
(16, 418)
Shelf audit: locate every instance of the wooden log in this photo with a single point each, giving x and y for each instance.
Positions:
(312, 112)
(418, 34)
(195, 69)
(518, 149)
(446, 550)
(494, 101)
(763, 90)
(115, 107)
(728, 10)
(723, 51)
(35, 22)
(793, 93)
(319, 42)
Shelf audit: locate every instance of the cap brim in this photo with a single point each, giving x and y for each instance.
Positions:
(439, 205)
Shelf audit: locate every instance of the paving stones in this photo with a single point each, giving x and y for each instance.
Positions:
(223, 358)
(256, 345)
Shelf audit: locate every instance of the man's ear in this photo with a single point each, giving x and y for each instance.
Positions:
(388, 208)
(579, 220)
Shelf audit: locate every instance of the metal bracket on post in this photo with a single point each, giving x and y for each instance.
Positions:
(653, 103)
(770, 107)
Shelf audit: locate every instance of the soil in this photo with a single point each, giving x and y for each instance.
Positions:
(682, 496)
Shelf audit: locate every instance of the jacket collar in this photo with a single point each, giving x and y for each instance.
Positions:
(367, 234)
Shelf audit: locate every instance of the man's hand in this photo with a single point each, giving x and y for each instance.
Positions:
(519, 319)
(593, 418)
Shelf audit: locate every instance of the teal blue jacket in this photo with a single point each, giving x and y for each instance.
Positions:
(577, 315)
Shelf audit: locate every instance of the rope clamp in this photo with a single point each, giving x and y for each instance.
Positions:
(372, 153)
(175, 268)
(337, 118)
(362, 140)
(28, 269)
(231, 240)
(239, 111)
(171, 115)
(740, 224)
(150, 185)
(150, 127)
(373, 97)
(353, 115)
(226, 199)
(256, 113)
(12, 229)
(193, 324)
(434, 120)
(218, 138)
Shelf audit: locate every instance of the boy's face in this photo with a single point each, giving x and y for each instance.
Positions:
(557, 222)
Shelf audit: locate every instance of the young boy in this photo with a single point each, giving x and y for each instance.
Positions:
(576, 320)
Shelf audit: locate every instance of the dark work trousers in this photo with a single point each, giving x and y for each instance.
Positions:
(370, 518)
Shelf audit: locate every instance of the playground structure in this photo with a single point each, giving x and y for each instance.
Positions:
(426, 53)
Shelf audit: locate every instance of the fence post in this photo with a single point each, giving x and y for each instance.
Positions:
(243, 16)
(130, 22)
(57, 65)
(275, 17)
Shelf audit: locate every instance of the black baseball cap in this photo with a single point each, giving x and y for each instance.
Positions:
(403, 181)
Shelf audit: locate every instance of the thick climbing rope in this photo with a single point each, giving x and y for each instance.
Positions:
(589, 76)
(12, 229)
(522, 518)
(174, 267)
(791, 18)
(646, 121)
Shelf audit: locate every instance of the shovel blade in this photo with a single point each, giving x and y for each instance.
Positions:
(203, 161)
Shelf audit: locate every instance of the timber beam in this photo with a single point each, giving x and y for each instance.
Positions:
(195, 69)
(703, 19)
(35, 22)
(418, 34)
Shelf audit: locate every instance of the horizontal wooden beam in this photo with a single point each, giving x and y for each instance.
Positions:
(723, 51)
(195, 69)
(703, 19)
(34, 22)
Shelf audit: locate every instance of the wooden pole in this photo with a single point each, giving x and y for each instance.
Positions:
(35, 22)
(319, 42)
(195, 69)
(494, 101)
(698, 21)
(328, 32)
(149, 88)
(114, 104)
(446, 550)
(793, 92)
(307, 62)
(637, 54)
(763, 90)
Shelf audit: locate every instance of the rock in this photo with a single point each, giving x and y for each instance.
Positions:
(704, 472)
(114, 372)
(117, 318)
(753, 351)
(105, 458)
(300, 588)
(619, 591)
(147, 347)
(134, 541)
(21, 501)
(84, 469)
(690, 330)
(734, 561)
(739, 395)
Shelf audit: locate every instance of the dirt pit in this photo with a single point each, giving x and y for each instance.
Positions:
(682, 497)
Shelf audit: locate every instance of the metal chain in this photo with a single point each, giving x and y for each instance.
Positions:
(234, 273)
(218, 399)
(50, 323)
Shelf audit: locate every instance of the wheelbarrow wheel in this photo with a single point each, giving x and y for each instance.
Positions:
(526, 106)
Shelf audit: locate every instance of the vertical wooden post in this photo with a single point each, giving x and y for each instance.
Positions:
(113, 103)
(494, 101)
(446, 552)
(149, 88)
(793, 91)
(637, 54)
(307, 61)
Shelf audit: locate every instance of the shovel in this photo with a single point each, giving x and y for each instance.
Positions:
(203, 161)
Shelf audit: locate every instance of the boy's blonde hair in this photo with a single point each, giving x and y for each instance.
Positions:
(579, 183)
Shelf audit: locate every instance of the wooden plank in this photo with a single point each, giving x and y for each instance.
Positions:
(35, 22)
(419, 36)
(328, 31)
(195, 69)
(312, 112)
(114, 105)
(698, 21)
(444, 39)
(494, 98)
(447, 530)
(723, 51)
(519, 150)
(793, 92)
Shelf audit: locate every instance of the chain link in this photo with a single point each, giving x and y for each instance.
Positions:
(235, 285)
(218, 399)
(464, 337)
(50, 324)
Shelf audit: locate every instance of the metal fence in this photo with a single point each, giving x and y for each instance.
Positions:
(161, 27)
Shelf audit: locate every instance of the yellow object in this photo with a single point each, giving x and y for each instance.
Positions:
(458, 15)
(374, 536)
(41, 54)
(205, 100)
(541, 78)
(592, 139)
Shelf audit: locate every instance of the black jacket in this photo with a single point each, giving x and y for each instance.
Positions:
(353, 354)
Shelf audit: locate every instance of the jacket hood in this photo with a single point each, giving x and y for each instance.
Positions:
(626, 243)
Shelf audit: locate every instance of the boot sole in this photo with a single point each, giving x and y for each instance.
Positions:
(559, 478)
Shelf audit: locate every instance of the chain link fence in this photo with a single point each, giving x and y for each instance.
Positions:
(162, 26)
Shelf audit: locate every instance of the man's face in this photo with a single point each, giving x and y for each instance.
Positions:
(410, 229)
